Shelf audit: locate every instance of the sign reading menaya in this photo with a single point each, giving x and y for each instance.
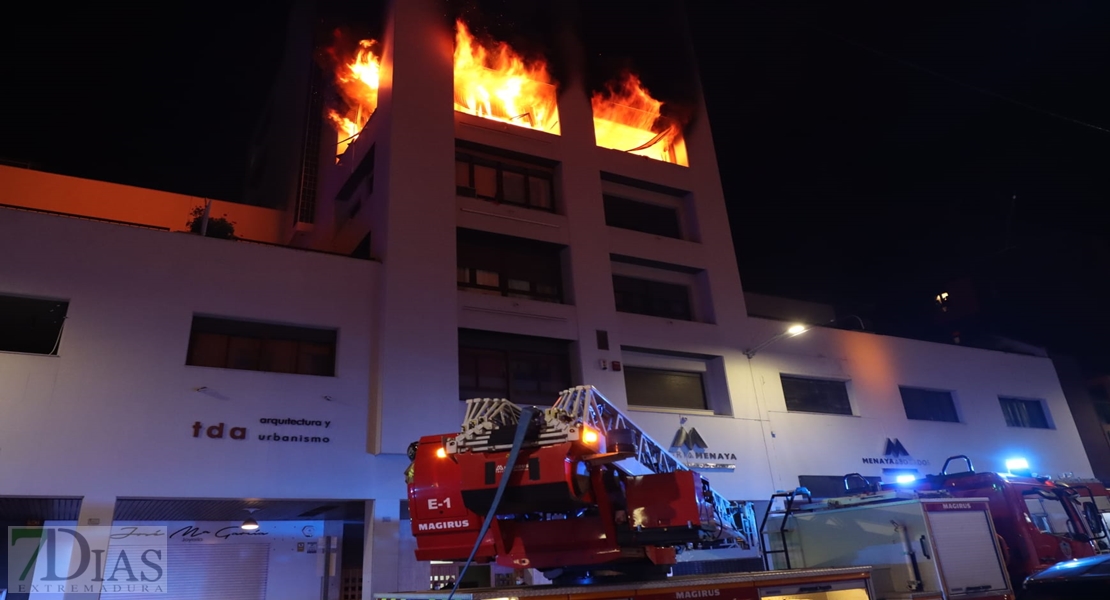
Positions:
(894, 453)
(691, 448)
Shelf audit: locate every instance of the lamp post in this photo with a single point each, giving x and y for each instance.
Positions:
(791, 331)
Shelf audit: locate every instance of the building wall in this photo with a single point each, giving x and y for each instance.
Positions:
(873, 366)
(102, 200)
(114, 412)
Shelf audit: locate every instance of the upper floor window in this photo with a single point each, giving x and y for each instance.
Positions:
(648, 287)
(653, 298)
(828, 396)
(358, 187)
(642, 216)
(928, 405)
(665, 388)
(509, 266)
(253, 346)
(521, 369)
(504, 180)
(1024, 413)
(648, 207)
(31, 325)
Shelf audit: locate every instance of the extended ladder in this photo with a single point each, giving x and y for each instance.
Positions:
(585, 405)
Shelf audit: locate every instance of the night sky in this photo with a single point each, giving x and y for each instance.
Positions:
(870, 151)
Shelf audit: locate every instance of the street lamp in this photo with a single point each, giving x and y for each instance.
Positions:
(791, 331)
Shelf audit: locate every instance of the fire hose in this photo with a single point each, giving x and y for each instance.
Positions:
(526, 415)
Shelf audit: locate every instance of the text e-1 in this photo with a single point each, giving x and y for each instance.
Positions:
(434, 504)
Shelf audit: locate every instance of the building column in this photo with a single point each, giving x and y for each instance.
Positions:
(94, 521)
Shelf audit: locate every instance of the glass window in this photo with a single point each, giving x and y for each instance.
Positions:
(653, 298)
(521, 369)
(642, 216)
(513, 188)
(509, 266)
(500, 180)
(928, 405)
(31, 325)
(254, 346)
(462, 174)
(539, 191)
(485, 181)
(1024, 413)
(816, 395)
(1048, 514)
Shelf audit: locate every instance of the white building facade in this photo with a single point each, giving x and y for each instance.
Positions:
(193, 378)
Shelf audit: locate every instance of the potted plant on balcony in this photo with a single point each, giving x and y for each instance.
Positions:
(218, 227)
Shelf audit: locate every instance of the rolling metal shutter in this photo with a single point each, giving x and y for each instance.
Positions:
(225, 571)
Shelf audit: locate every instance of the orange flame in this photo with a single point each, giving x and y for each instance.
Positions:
(356, 80)
(494, 82)
(627, 118)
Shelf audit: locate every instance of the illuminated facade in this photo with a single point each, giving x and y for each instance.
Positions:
(444, 255)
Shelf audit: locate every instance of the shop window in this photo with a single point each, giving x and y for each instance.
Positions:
(522, 369)
(509, 266)
(1024, 413)
(661, 388)
(816, 395)
(253, 346)
(928, 405)
(504, 180)
(31, 325)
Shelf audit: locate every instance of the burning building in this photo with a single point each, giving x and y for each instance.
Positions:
(526, 219)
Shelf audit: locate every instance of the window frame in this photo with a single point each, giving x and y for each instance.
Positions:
(1013, 422)
(267, 336)
(512, 262)
(612, 215)
(706, 405)
(528, 172)
(847, 396)
(647, 287)
(951, 401)
(38, 308)
(507, 356)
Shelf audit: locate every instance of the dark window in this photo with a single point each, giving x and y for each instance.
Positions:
(830, 486)
(500, 181)
(816, 395)
(361, 178)
(509, 266)
(1103, 411)
(642, 216)
(230, 344)
(522, 369)
(654, 298)
(928, 405)
(664, 389)
(31, 325)
(1024, 413)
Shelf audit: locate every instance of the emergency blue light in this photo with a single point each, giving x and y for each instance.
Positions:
(905, 479)
(1016, 464)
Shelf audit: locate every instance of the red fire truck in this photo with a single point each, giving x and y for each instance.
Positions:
(580, 493)
(1039, 522)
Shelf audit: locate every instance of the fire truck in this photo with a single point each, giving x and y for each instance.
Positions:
(581, 494)
(1034, 523)
(1095, 499)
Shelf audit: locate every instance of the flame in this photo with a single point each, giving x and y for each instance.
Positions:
(494, 82)
(357, 81)
(627, 118)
